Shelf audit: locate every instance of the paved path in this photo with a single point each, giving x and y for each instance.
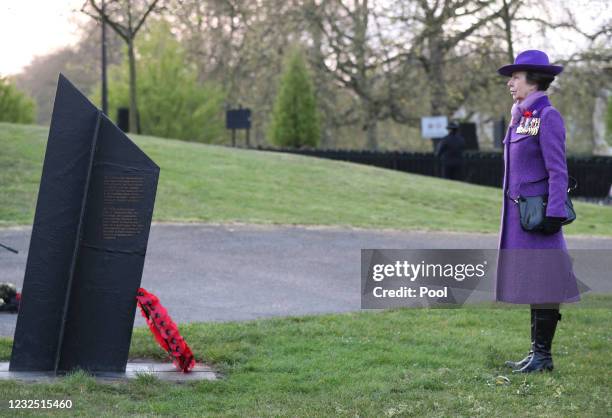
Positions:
(204, 272)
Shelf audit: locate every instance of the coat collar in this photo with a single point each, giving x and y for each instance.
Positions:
(529, 101)
(539, 104)
(527, 104)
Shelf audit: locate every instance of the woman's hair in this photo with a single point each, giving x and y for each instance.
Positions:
(542, 80)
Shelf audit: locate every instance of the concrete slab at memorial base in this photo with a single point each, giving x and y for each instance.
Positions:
(163, 371)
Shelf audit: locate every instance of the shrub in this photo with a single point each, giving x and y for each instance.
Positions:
(15, 106)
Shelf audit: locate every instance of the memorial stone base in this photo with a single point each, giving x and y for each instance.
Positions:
(163, 371)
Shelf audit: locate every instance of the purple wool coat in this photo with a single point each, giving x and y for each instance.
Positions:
(532, 267)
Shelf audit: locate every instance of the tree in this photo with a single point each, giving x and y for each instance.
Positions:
(126, 18)
(15, 106)
(39, 80)
(437, 29)
(173, 104)
(213, 33)
(393, 56)
(350, 48)
(80, 63)
(295, 121)
(241, 45)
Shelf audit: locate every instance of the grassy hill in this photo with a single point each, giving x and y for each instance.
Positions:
(219, 184)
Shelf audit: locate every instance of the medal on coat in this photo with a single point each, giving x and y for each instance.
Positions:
(529, 124)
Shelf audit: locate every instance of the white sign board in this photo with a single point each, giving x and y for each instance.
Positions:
(434, 126)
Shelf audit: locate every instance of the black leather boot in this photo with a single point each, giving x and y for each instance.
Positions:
(545, 326)
(523, 362)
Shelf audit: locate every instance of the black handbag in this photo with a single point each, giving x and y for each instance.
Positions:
(532, 210)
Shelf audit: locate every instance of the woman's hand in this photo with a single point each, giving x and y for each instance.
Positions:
(551, 225)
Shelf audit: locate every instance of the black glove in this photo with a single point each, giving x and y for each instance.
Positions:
(551, 225)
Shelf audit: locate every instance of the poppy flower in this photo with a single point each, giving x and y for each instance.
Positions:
(527, 113)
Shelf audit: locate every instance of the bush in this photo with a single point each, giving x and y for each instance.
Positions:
(15, 106)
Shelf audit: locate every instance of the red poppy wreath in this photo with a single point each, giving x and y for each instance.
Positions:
(165, 330)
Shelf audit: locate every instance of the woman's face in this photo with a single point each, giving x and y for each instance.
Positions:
(519, 88)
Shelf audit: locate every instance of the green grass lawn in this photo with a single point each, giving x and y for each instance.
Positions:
(218, 184)
(401, 362)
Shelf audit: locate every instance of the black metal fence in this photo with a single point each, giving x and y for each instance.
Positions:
(594, 174)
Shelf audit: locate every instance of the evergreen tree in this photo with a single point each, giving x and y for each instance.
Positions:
(15, 106)
(295, 121)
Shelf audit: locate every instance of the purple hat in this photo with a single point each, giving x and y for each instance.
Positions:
(531, 60)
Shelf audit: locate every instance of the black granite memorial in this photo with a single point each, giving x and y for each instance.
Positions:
(88, 244)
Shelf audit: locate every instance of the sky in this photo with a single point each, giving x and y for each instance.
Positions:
(29, 28)
(35, 27)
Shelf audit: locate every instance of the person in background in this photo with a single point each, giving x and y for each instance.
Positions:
(450, 152)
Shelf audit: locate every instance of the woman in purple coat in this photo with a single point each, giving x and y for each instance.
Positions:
(533, 266)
